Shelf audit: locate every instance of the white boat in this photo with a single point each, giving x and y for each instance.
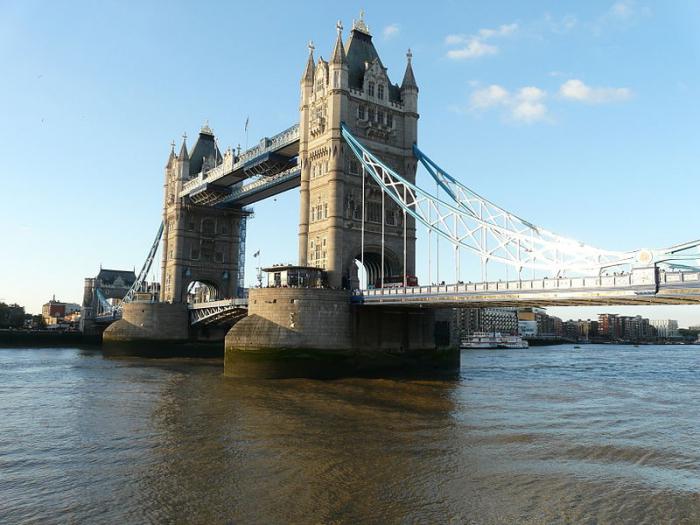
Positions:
(493, 340)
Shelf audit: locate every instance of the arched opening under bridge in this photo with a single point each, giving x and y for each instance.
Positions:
(202, 292)
(371, 277)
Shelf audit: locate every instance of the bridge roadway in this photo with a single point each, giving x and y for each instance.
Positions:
(260, 172)
(640, 287)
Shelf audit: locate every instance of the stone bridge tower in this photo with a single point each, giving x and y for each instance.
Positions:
(200, 243)
(354, 88)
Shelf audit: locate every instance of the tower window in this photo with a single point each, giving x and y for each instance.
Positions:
(361, 112)
(370, 89)
(370, 114)
(380, 91)
(380, 117)
(390, 120)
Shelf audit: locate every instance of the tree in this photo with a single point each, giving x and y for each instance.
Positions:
(11, 316)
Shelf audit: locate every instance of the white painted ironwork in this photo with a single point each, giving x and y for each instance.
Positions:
(217, 311)
(494, 234)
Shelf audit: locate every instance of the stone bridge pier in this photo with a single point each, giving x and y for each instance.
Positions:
(314, 332)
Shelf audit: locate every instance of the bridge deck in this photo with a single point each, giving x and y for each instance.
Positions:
(636, 288)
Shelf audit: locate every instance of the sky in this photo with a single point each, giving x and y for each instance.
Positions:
(579, 116)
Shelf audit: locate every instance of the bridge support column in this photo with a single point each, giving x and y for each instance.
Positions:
(148, 323)
(297, 332)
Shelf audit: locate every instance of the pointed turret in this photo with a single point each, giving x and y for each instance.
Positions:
(171, 157)
(183, 156)
(338, 57)
(409, 80)
(308, 75)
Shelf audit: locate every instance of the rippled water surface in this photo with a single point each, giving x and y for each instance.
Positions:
(600, 434)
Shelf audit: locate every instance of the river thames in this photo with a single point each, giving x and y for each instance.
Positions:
(600, 434)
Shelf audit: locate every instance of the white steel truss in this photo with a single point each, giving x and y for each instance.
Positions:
(493, 233)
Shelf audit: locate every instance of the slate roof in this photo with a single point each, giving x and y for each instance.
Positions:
(107, 277)
(359, 50)
(204, 147)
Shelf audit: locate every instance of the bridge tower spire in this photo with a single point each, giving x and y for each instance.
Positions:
(354, 88)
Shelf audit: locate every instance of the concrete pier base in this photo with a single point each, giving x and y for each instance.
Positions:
(297, 332)
(149, 322)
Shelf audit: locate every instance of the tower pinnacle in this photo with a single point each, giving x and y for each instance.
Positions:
(171, 157)
(359, 25)
(183, 149)
(409, 79)
(338, 56)
(310, 66)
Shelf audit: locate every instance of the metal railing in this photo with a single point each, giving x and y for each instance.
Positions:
(266, 145)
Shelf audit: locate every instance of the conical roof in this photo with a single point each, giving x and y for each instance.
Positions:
(310, 66)
(183, 156)
(338, 56)
(409, 79)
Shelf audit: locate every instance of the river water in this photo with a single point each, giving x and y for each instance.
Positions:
(600, 434)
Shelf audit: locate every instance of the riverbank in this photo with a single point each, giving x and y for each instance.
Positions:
(13, 338)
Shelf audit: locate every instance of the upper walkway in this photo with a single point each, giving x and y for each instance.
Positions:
(271, 163)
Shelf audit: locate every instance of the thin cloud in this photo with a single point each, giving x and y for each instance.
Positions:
(474, 46)
(578, 91)
(622, 13)
(525, 105)
(391, 31)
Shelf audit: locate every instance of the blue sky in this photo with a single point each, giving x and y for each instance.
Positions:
(581, 117)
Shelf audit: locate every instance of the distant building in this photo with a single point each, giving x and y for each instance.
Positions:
(580, 330)
(666, 328)
(609, 327)
(503, 320)
(535, 322)
(55, 312)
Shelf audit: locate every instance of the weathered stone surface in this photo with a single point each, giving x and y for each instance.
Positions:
(292, 332)
(149, 322)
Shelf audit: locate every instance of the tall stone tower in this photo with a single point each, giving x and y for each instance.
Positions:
(200, 243)
(354, 88)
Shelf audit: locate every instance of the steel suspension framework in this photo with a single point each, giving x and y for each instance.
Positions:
(141, 277)
(494, 234)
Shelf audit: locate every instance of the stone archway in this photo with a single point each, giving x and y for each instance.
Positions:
(201, 292)
(373, 267)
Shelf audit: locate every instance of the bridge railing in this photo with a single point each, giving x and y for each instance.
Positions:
(219, 304)
(679, 277)
(644, 277)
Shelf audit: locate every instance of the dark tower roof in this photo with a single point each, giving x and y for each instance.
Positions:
(204, 147)
(107, 277)
(361, 50)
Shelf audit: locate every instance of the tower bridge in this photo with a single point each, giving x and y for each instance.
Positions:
(354, 156)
